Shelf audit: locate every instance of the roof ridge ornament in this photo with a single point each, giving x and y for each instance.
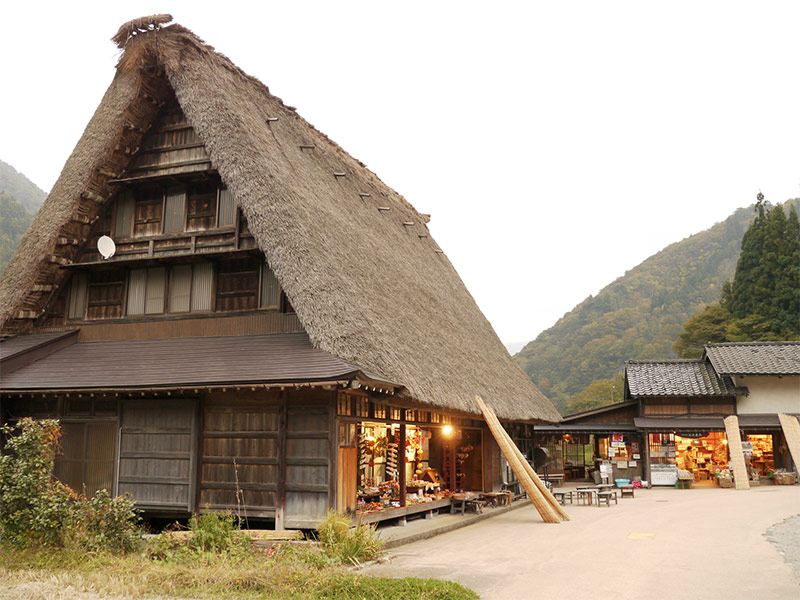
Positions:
(137, 26)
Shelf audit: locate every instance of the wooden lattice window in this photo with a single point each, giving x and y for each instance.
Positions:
(237, 284)
(201, 207)
(105, 294)
(147, 213)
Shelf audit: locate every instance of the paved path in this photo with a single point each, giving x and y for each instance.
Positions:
(665, 543)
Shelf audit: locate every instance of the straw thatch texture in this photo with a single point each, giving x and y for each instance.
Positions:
(366, 287)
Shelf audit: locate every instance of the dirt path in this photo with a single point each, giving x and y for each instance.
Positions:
(665, 543)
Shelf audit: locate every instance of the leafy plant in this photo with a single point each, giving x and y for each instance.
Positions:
(36, 509)
(33, 507)
(103, 522)
(216, 532)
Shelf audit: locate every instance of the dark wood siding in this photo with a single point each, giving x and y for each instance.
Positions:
(240, 458)
(308, 460)
(248, 324)
(157, 453)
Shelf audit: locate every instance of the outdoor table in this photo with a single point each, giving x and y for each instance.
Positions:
(626, 491)
(586, 495)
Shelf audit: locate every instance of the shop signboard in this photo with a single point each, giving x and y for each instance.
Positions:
(693, 434)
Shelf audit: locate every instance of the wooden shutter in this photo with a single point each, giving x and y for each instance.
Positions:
(227, 208)
(136, 288)
(156, 457)
(77, 296)
(154, 292)
(86, 462)
(202, 285)
(308, 459)
(124, 216)
(175, 210)
(270, 289)
(180, 288)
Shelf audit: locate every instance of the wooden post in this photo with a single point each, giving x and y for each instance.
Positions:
(452, 442)
(280, 493)
(401, 463)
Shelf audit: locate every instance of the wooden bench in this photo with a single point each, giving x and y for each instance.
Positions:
(555, 478)
(606, 497)
(563, 497)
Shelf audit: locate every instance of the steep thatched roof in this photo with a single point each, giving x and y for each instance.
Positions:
(369, 285)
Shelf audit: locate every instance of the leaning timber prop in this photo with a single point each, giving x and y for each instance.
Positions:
(791, 430)
(531, 473)
(544, 508)
(740, 475)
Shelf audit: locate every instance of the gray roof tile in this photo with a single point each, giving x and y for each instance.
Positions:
(755, 358)
(675, 378)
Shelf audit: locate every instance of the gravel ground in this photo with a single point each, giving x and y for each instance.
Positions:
(786, 538)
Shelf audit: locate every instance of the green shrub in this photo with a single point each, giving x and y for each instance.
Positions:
(103, 522)
(348, 544)
(35, 509)
(217, 533)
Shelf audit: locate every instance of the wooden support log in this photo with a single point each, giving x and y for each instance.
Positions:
(531, 473)
(791, 431)
(93, 197)
(42, 288)
(59, 260)
(384, 208)
(740, 475)
(133, 127)
(338, 174)
(82, 219)
(307, 146)
(107, 172)
(27, 314)
(544, 508)
(364, 194)
(408, 223)
(67, 241)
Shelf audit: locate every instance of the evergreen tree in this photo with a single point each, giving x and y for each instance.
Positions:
(763, 301)
(741, 302)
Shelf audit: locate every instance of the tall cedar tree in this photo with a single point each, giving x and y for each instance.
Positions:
(763, 302)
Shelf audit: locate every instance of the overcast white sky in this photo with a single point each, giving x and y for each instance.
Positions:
(556, 144)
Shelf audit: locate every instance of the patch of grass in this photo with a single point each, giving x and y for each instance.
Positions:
(294, 571)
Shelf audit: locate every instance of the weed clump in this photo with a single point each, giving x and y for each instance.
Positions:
(348, 544)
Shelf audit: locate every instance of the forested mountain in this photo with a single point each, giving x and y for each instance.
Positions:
(14, 220)
(638, 316)
(20, 188)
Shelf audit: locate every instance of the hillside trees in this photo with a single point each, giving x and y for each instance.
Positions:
(14, 221)
(763, 300)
